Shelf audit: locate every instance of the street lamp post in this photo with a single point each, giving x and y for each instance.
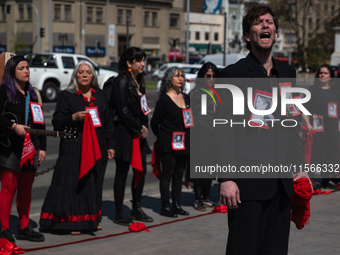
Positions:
(187, 40)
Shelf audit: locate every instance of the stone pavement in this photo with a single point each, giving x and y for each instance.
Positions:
(201, 235)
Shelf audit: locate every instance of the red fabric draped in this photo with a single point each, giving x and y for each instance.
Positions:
(28, 151)
(138, 226)
(308, 140)
(220, 209)
(300, 206)
(136, 160)
(155, 162)
(90, 150)
(8, 248)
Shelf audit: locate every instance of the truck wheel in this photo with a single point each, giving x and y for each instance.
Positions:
(50, 92)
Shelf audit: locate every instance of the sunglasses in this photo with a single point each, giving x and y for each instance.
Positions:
(209, 76)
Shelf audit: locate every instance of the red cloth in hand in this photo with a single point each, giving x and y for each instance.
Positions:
(8, 248)
(300, 206)
(221, 209)
(155, 162)
(138, 226)
(90, 150)
(28, 151)
(136, 160)
(307, 147)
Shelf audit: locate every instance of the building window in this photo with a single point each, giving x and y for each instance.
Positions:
(310, 23)
(333, 10)
(120, 16)
(289, 36)
(317, 23)
(216, 36)
(151, 40)
(21, 11)
(128, 16)
(29, 11)
(3, 16)
(326, 8)
(207, 36)
(146, 18)
(154, 19)
(57, 11)
(174, 20)
(89, 14)
(99, 15)
(67, 12)
(197, 35)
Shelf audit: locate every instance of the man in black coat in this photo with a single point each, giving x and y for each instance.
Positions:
(259, 215)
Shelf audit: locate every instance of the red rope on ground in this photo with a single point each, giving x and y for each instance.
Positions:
(111, 235)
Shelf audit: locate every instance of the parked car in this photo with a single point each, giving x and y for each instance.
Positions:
(159, 73)
(190, 72)
(51, 72)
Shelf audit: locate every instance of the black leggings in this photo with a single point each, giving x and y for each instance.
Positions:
(202, 190)
(122, 170)
(173, 167)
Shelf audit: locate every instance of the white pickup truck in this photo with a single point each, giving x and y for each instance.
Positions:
(51, 72)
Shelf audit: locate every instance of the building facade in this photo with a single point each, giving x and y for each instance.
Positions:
(83, 27)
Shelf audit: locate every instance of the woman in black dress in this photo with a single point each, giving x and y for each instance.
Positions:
(70, 204)
(205, 80)
(16, 97)
(173, 138)
(324, 107)
(131, 127)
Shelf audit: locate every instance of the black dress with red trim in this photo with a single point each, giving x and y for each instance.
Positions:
(70, 205)
(325, 146)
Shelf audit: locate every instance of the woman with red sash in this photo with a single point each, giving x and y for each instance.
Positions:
(171, 123)
(74, 199)
(17, 170)
(130, 110)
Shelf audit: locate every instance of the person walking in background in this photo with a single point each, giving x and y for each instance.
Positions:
(73, 203)
(324, 106)
(131, 130)
(16, 96)
(173, 138)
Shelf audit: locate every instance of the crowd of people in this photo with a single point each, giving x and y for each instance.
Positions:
(114, 124)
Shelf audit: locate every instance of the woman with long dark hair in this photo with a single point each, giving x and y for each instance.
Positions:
(74, 200)
(324, 107)
(16, 99)
(131, 128)
(170, 125)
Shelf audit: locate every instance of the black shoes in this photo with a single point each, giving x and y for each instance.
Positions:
(8, 235)
(166, 211)
(138, 214)
(176, 208)
(30, 235)
(122, 219)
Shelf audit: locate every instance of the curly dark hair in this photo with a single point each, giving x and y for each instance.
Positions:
(253, 14)
(166, 81)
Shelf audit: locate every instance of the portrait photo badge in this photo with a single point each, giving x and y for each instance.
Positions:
(318, 123)
(178, 141)
(291, 109)
(94, 115)
(332, 108)
(262, 101)
(187, 118)
(144, 105)
(37, 113)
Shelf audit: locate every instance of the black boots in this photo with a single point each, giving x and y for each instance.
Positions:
(138, 214)
(166, 210)
(29, 234)
(176, 208)
(121, 218)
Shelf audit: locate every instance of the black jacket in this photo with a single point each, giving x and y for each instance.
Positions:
(249, 146)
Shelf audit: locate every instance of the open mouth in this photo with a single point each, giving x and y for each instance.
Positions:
(265, 35)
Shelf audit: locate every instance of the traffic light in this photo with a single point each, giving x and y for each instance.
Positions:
(42, 32)
(97, 44)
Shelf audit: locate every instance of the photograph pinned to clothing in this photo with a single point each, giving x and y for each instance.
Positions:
(37, 113)
(261, 101)
(187, 117)
(144, 105)
(318, 123)
(291, 109)
(332, 109)
(297, 108)
(94, 115)
(178, 141)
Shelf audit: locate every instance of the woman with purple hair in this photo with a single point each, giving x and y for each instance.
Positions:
(16, 96)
